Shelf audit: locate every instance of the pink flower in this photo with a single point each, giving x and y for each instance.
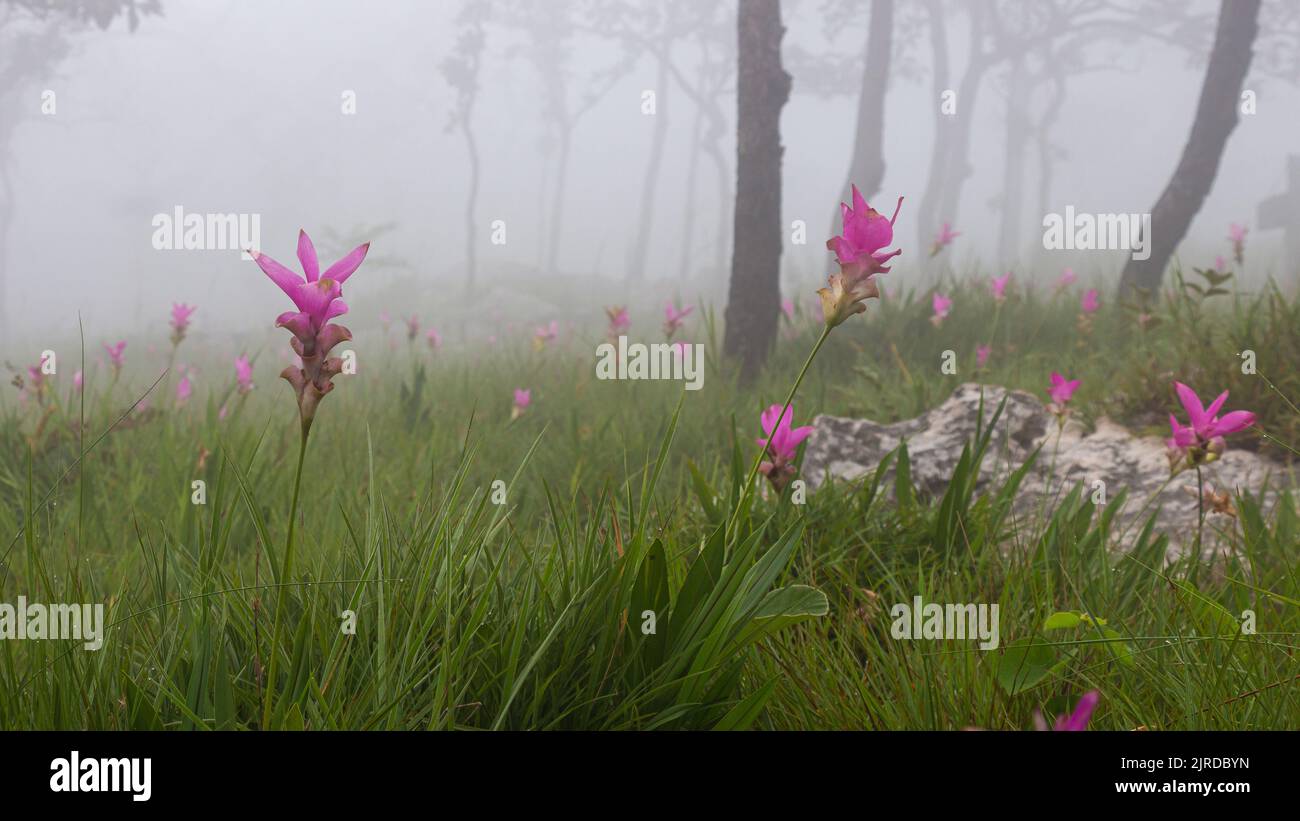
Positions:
(787, 308)
(183, 390)
(1220, 265)
(115, 356)
(78, 381)
(317, 299)
(1066, 279)
(1000, 286)
(619, 321)
(385, 319)
(1091, 301)
(782, 444)
(1237, 235)
(244, 374)
(942, 306)
(180, 320)
(861, 255)
(1061, 389)
(412, 328)
(434, 339)
(523, 398)
(1077, 721)
(944, 239)
(1202, 440)
(982, 355)
(674, 318)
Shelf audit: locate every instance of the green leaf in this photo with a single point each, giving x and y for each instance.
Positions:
(1024, 663)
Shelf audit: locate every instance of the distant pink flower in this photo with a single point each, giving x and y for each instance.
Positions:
(183, 390)
(317, 298)
(619, 322)
(674, 318)
(180, 321)
(781, 445)
(942, 306)
(787, 308)
(545, 334)
(1237, 235)
(1062, 390)
(434, 339)
(944, 239)
(523, 398)
(982, 355)
(859, 250)
(1091, 301)
(78, 381)
(412, 327)
(385, 319)
(1000, 286)
(1066, 279)
(244, 374)
(115, 356)
(1201, 441)
(1220, 265)
(221, 414)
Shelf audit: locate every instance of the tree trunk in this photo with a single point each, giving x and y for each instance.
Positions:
(958, 167)
(1216, 117)
(471, 205)
(927, 220)
(762, 89)
(686, 265)
(557, 201)
(1013, 168)
(649, 185)
(867, 168)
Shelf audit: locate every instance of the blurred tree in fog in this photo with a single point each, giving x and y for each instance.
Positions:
(461, 71)
(1216, 117)
(35, 36)
(762, 89)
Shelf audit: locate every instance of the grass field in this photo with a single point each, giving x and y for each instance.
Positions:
(522, 604)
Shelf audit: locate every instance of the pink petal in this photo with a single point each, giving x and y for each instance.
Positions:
(341, 270)
(307, 256)
(280, 275)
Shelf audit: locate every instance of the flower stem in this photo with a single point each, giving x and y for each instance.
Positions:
(1200, 521)
(286, 568)
(758, 460)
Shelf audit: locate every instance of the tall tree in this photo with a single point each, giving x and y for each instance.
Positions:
(1216, 117)
(867, 166)
(461, 71)
(762, 89)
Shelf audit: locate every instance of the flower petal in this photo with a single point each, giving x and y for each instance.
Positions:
(280, 275)
(341, 270)
(307, 256)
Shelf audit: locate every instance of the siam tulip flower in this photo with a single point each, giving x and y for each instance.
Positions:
(787, 308)
(385, 320)
(317, 298)
(943, 240)
(1061, 391)
(545, 334)
(78, 381)
(1000, 287)
(1066, 279)
(523, 398)
(115, 357)
(942, 306)
(781, 445)
(619, 321)
(434, 339)
(982, 355)
(180, 321)
(1220, 265)
(244, 374)
(1237, 236)
(183, 390)
(1202, 440)
(1091, 301)
(1076, 721)
(223, 412)
(412, 328)
(861, 255)
(674, 318)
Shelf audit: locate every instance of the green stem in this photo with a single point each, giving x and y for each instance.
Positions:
(286, 568)
(753, 471)
(1200, 522)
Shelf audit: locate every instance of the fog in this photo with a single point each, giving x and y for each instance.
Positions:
(237, 106)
